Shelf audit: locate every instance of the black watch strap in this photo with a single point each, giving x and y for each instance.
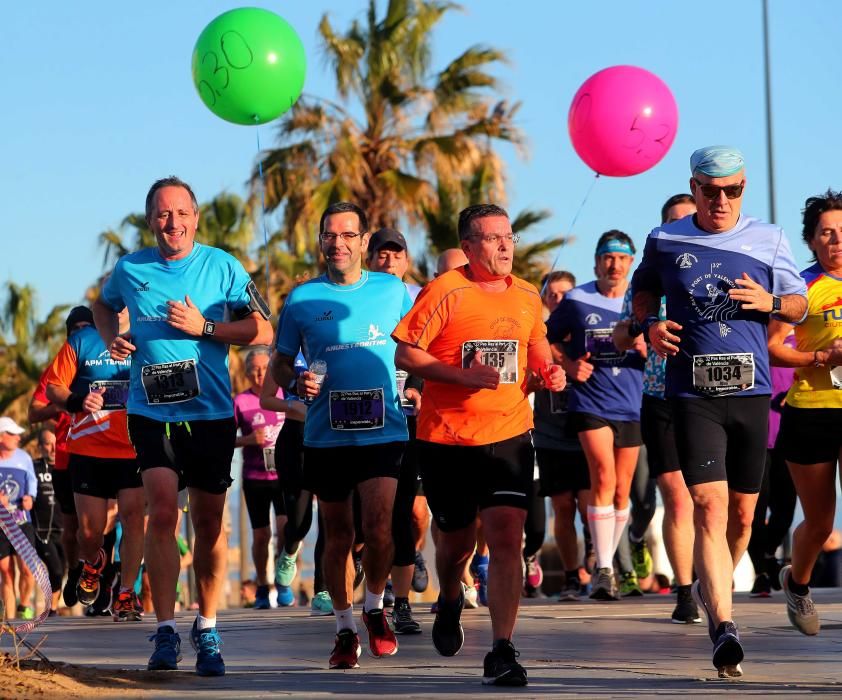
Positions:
(209, 329)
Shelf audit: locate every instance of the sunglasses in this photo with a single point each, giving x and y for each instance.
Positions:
(712, 191)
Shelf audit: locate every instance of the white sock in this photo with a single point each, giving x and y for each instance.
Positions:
(167, 623)
(601, 524)
(205, 623)
(345, 619)
(373, 601)
(621, 517)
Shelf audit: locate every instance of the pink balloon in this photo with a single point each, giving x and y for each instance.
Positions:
(622, 120)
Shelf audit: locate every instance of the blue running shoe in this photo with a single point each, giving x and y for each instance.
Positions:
(208, 657)
(286, 597)
(261, 598)
(479, 570)
(167, 652)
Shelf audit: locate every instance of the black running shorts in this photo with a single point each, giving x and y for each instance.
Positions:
(723, 439)
(64, 491)
(461, 480)
(810, 435)
(626, 432)
(562, 471)
(657, 429)
(332, 473)
(102, 477)
(6, 548)
(199, 451)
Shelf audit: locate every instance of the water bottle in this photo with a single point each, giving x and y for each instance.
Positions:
(319, 368)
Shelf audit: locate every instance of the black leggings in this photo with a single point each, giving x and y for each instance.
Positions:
(52, 554)
(777, 494)
(535, 527)
(402, 533)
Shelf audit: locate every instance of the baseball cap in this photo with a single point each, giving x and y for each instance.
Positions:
(386, 235)
(7, 425)
(78, 314)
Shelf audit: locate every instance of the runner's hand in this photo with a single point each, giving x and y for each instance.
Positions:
(307, 384)
(832, 355)
(480, 376)
(554, 378)
(579, 370)
(94, 401)
(414, 396)
(640, 345)
(4, 499)
(26, 502)
(662, 337)
(259, 436)
(185, 316)
(120, 348)
(753, 296)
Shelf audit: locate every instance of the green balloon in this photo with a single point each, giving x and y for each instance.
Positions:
(249, 66)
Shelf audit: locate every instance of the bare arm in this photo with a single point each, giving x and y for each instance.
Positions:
(251, 330)
(782, 355)
(40, 411)
(422, 364)
(107, 322)
(270, 401)
(754, 297)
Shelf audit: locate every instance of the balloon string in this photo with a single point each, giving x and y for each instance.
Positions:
(572, 225)
(263, 214)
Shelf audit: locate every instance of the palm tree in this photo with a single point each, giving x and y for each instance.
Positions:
(401, 142)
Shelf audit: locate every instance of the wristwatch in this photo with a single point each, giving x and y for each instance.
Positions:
(209, 328)
(776, 304)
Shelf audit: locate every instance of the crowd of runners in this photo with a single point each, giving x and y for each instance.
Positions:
(376, 404)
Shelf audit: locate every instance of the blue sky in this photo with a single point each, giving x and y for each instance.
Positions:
(99, 102)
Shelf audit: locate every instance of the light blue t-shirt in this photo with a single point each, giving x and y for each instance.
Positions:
(349, 327)
(176, 376)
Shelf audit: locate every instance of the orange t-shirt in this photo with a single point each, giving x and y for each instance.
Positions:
(457, 322)
(62, 422)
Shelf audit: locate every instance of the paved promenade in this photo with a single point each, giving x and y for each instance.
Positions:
(578, 650)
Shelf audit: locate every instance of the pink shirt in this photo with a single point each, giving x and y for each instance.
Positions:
(249, 416)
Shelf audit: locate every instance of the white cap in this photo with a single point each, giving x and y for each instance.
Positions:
(7, 425)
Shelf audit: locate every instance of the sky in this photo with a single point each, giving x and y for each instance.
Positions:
(98, 102)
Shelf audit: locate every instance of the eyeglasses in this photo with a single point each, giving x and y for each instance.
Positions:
(346, 236)
(712, 191)
(494, 238)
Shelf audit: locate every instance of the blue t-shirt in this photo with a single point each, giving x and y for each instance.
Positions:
(17, 479)
(723, 347)
(349, 327)
(95, 366)
(176, 376)
(614, 390)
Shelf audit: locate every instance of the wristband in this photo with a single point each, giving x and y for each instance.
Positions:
(635, 329)
(74, 403)
(647, 323)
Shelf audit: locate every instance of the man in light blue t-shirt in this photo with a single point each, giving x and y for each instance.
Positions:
(355, 431)
(187, 302)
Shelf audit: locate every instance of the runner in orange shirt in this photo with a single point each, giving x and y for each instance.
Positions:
(477, 337)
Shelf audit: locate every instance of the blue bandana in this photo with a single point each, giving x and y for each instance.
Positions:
(716, 161)
(614, 245)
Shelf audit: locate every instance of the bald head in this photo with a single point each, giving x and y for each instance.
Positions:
(449, 260)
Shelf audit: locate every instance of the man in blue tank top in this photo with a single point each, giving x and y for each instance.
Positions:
(723, 275)
(355, 430)
(187, 302)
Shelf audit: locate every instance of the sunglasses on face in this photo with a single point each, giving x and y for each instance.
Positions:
(712, 191)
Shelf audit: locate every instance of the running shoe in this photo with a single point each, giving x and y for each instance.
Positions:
(402, 619)
(167, 652)
(126, 607)
(727, 650)
(641, 559)
(762, 587)
(534, 572)
(286, 568)
(208, 656)
(571, 589)
(381, 638)
(261, 598)
(359, 573)
(321, 605)
(286, 598)
(685, 612)
(346, 651)
(799, 608)
(696, 592)
(420, 577)
(604, 588)
(471, 598)
(87, 589)
(629, 585)
(479, 570)
(773, 568)
(448, 635)
(501, 667)
(25, 612)
(388, 595)
(69, 592)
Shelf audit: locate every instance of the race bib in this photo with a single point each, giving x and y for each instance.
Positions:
(401, 377)
(499, 354)
(836, 377)
(599, 342)
(718, 375)
(269, 459)
(116, 393)
(362, 409)
(170, 382)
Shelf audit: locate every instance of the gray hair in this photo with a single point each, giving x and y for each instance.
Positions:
(254, 352)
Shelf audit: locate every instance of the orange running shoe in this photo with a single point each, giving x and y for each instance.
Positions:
(126, 607)
(88, 587)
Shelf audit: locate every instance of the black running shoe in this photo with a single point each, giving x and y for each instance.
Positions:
(420, 577)
(686, 612)
(448, 635)
(501, 667)
(69, 592)
(762, 587)
(402, 620)
(727, 650)
(388, 595)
